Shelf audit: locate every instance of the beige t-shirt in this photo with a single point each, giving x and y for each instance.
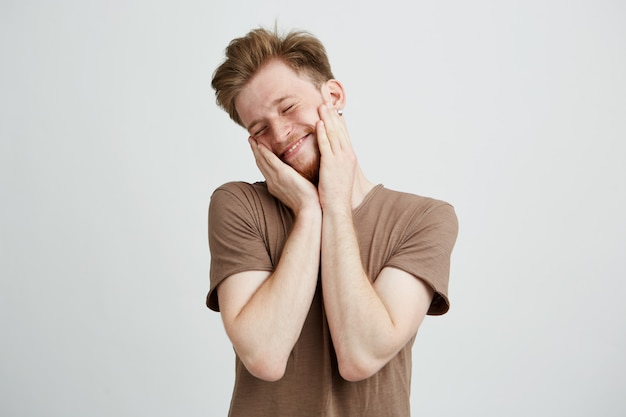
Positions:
(247, 231)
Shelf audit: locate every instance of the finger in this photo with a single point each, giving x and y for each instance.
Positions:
(256, 151)
(254, 147)
(261, 159)
(323, 142)
(327, 130)
(264, 155)
(335, 127)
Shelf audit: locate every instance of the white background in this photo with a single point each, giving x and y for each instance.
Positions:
(111, 145)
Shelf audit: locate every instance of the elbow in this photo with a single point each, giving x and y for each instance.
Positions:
(266, 373)
(354, 370)
(266, 367)
(359, 364)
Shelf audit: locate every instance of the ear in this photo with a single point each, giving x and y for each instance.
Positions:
(333, 92)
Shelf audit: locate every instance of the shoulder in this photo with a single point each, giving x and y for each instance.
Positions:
(240, 189)
(386, 200)
(250, 204)
(241, 194)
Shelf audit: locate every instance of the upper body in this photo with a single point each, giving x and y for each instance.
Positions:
(394, 230)
(292, 112)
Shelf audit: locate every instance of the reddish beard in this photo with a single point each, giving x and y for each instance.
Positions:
(311, 171)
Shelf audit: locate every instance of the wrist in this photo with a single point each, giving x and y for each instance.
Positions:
(336, 207)
(337, 212)
(309, 212)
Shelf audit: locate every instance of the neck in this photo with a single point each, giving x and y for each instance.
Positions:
(362, 186)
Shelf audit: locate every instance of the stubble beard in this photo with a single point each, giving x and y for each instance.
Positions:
(311, 171)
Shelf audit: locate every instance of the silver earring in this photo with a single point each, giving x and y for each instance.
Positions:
(340, 111)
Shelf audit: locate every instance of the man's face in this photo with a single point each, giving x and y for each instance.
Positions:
(278, 107)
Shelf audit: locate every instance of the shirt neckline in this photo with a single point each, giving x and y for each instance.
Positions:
(368, 197)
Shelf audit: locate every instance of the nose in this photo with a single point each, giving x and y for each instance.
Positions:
(280, 131)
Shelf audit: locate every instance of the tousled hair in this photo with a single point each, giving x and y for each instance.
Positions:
(302, 51)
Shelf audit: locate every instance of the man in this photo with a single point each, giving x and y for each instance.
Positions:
(322, 278)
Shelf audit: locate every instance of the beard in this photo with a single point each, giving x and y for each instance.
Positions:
(311, 171)
(308, 166)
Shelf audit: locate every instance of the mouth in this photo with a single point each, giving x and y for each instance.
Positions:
(293, 147)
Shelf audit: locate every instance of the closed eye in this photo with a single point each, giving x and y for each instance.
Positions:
(286, 109)
(259, 132)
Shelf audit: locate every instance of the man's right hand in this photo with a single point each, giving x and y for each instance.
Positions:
(284, 182)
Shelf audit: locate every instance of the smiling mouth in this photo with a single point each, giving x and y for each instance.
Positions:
(293, 147)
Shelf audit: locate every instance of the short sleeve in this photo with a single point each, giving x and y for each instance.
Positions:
(236, 235)
(426, 249)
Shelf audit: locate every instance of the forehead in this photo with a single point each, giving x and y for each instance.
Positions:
(275, 80)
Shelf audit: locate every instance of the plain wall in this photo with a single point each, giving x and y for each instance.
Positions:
(111, 144)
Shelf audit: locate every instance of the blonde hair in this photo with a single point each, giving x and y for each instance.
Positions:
(300, 50)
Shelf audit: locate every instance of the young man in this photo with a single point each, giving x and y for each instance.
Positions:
(322, 278)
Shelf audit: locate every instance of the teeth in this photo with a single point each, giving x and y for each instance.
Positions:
(295, 145)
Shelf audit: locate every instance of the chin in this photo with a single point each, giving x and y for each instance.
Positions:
(311, 172)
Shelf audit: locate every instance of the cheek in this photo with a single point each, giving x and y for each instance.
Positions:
(266, 142)
(263, 140)
(309, 117)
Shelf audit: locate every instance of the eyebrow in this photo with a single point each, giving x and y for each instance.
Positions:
(274, 103)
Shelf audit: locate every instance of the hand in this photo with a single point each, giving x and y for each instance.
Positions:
(338, 161)
(284, 182)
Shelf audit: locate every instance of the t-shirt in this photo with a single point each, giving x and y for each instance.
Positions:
(248, 228)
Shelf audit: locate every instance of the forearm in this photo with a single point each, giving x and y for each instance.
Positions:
(265, 330)
(362, 330)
